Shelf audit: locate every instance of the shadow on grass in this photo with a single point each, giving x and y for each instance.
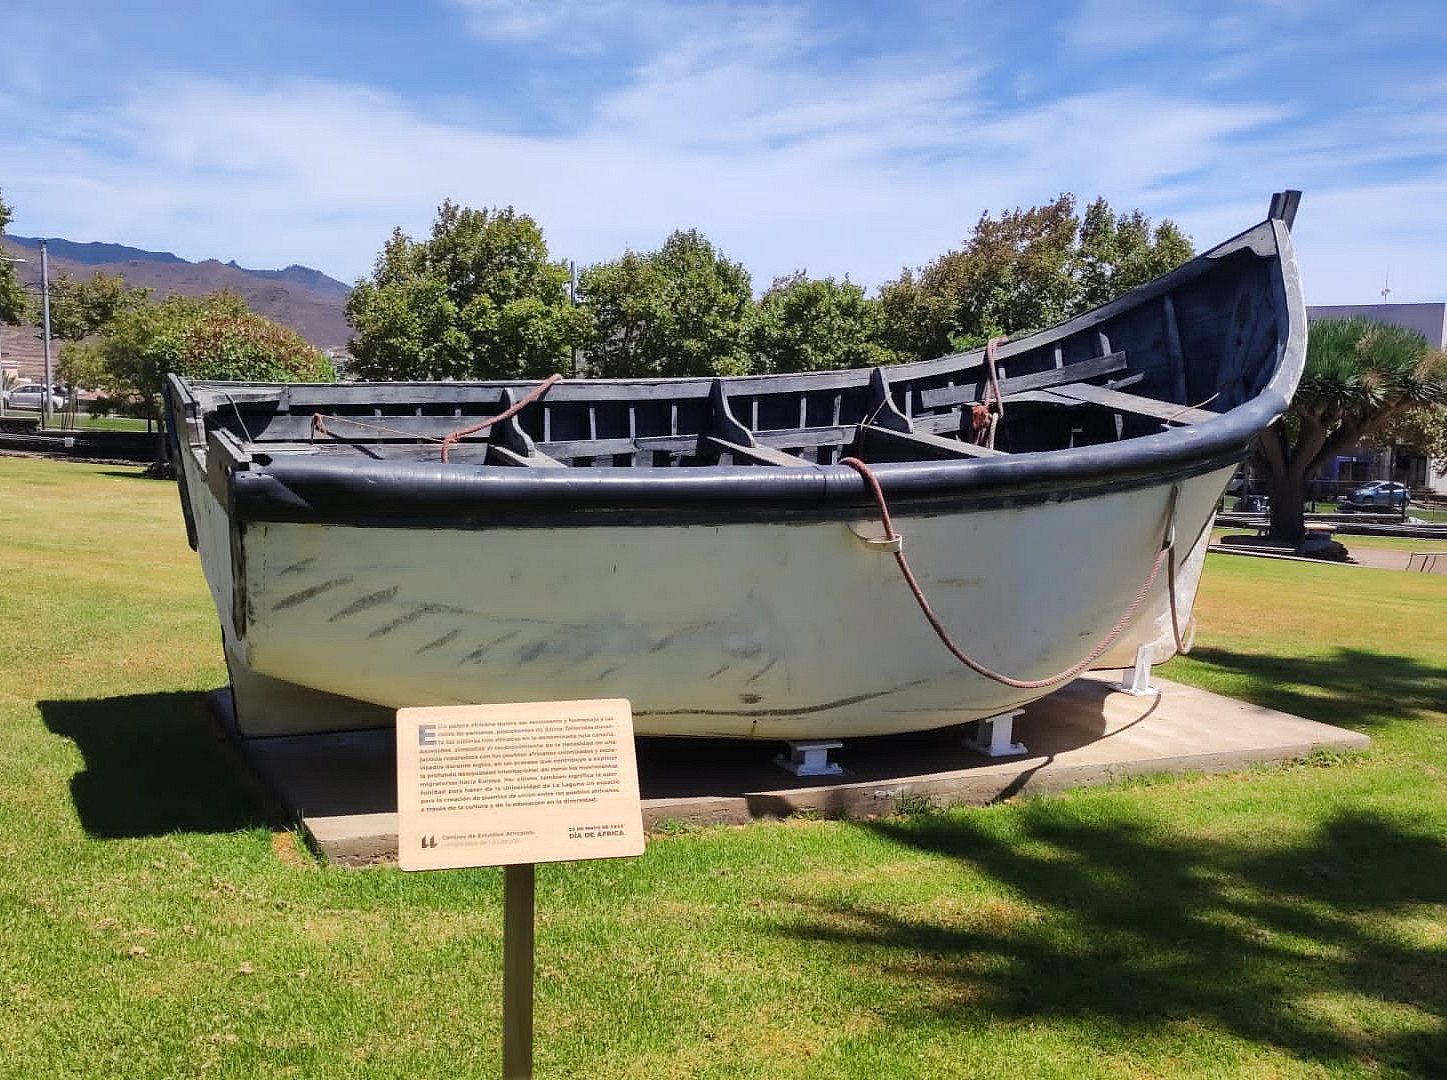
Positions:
(1292, 947)
(154, 764)
(1350, 688)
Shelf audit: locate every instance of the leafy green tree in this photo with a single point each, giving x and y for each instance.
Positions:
(815, 324)
(12, 294)
(1023, 271)
(1423, 430)
(679, 311)
(80, 308)
(1118, 253)
(211, 337)
(478, 299)
(1360, 376)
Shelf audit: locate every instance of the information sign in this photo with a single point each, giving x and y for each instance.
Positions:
(496, 785)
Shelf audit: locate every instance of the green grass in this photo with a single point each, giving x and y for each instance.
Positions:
(156, 922)
(86, 422)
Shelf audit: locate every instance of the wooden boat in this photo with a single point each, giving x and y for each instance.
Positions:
(713, 549)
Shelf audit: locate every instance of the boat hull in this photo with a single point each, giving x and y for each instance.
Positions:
(795, 630)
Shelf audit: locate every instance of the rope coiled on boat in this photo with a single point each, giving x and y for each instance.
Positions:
(1167, 552)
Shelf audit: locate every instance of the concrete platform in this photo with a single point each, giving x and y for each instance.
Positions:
(342, 787)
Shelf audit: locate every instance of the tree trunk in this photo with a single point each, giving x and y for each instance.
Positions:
(1288, 502)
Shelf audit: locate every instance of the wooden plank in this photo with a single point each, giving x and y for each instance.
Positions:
(1134, 403)
(1039, 397)
(917, 446)
(672, 444)
(937, 422)
(501, 455)
(1038, 380)
(298, 427)
(834, 435)
(759, 455)
(572, 448)
(1173, 348)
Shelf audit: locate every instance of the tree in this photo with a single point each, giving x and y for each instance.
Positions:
(678, 311)
(1027, 270)
(809, 324)
(478, 299)
(1116, 254)
(12, 294)
(1360, 376)
(79, 309)
(1423, 430)
(210, 337)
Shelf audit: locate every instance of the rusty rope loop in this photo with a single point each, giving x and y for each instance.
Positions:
(507, 414)
(1183, 644)
(1167, 551)
(319, 426)
(995, 401)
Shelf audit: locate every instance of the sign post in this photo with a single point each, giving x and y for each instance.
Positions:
(517, 972)
(512, 786)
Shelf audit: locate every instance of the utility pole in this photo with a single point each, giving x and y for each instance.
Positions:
(45, 308)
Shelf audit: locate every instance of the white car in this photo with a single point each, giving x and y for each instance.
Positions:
(32, 396)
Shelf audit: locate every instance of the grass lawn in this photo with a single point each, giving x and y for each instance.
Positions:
(1278, 922)
(86, 422)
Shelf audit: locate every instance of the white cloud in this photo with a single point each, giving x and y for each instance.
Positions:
(739, 121)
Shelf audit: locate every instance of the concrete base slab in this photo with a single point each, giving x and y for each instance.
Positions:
(342, 786)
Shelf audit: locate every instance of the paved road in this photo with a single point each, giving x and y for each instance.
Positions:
(1387, 559)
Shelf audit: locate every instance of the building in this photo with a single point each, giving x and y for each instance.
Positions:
(1361, 464)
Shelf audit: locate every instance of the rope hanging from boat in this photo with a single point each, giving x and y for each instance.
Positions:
(319, 421)
(985, 418)
(507, 414)
(1183, 644)
(1167, 551)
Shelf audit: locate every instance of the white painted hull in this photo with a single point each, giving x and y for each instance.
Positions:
(777, 631)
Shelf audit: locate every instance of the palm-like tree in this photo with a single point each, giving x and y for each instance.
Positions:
(1359, 376)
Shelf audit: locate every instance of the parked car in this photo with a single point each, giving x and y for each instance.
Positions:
(32, 396)
(1382, 493)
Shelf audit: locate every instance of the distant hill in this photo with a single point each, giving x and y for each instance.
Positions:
(308, 301)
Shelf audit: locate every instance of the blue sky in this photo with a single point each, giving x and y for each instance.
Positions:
(840, 138)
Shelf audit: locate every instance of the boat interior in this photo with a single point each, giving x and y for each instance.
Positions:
(1179, 351)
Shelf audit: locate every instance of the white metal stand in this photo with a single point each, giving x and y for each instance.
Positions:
(811, 758)
(992, 736)
(1139, 681)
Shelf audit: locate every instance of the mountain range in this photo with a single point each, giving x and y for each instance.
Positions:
(308, 301)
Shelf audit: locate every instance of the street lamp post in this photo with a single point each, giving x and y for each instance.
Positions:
(45, 308)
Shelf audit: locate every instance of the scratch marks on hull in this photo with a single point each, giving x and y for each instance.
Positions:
(310, 592)
(683, 631)
(418, 612)
(756, 676)
(445, 639)
(478, 653)
(371, 600)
